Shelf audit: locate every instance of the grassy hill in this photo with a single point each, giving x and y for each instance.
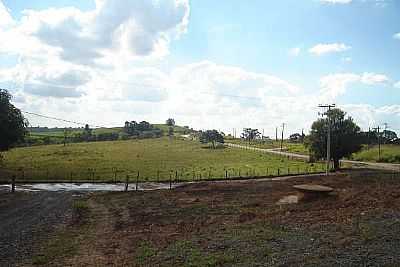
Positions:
(153, 158)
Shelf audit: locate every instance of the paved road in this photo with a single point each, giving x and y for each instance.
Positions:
(26, 219)
(372, 165)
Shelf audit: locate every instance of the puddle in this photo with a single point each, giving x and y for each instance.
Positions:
(292, 199)
(87, 187)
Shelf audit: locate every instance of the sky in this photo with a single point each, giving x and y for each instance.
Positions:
(207, 64)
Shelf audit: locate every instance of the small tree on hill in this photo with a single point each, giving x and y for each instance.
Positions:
(170, 122)
(250, 134)
(345, 137)
(12, 122)
(211, 136)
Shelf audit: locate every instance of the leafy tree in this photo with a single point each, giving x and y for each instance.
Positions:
(87, 133)
(389, 135)
(250, 134)
(296, 137)
(12, 122)
(134, 128)
(345, 137)
(211, 136)
(170, 122)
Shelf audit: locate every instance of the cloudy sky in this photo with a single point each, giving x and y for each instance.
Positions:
(208, 64)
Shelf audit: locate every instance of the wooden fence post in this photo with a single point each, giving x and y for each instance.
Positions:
(126, 183)
(226, 174)
(278, 171)
(137, 180)
(170, 181)
(13, 184)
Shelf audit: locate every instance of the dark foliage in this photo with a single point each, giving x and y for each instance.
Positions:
(12, 122)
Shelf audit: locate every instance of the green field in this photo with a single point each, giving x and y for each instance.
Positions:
(152, 158)
(389, 154)
(298, 148)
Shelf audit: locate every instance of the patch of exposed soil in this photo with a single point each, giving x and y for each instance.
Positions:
(26, 219)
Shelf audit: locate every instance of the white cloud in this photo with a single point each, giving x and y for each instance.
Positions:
(334, 85)
(74, 65)
(321, 49)
(397, 36)
(294, 51)
(373, 78)
(5, 18)
(336, 1)
(369, 116)
(397, 85)
(136, 29)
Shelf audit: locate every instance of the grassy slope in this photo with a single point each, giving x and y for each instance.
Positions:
(389, 153)
(147, 156)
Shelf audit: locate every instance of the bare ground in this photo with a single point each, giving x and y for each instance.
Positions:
(238, 224)
(28, 218)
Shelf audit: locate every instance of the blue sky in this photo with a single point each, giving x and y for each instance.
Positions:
(341, 51)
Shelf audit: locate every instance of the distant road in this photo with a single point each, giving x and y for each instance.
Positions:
(372, 165)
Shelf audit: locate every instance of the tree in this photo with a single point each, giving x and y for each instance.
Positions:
(170, 122)
(296, 137)
(211, 136)
(250, 134)
(12, 122)
(345, 137)
(389, 135)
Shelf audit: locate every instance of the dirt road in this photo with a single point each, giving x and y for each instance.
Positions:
(26, 219)
(371, 165)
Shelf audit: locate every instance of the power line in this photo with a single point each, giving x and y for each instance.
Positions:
(59, 119)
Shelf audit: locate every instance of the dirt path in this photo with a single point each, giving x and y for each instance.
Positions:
(107, 245)
(371, 165)
(26, 219)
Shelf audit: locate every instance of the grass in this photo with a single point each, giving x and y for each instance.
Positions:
(153, 158)
(389, 154)
(298, 148)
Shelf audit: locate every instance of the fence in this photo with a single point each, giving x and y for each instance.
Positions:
(115, 175)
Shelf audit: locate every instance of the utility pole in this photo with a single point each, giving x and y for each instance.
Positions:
(328, 143)
(368, 138)
(379, 142)
(283, 128)
(385, 133)
(276, 134)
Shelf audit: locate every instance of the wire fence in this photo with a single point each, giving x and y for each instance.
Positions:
(115, 175)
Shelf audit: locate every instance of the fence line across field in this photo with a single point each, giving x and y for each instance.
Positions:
(115, 175)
